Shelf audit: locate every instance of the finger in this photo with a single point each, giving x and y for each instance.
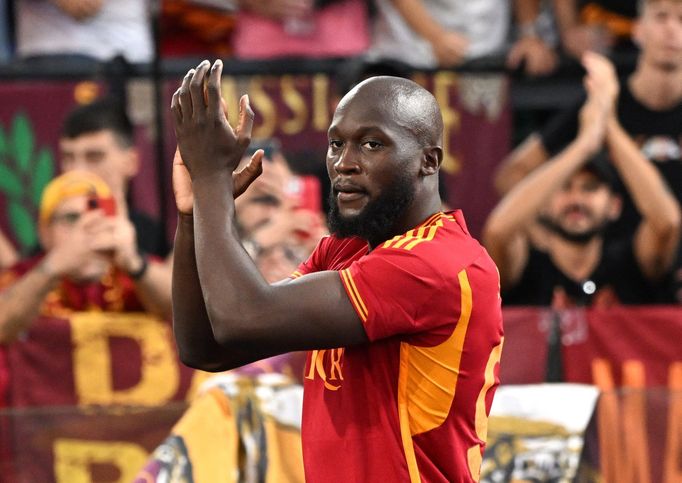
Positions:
(214, 94)
(177, 157)
(184, 96)
(245, 125)
(249, 173)
(196, 89)
(176, 109)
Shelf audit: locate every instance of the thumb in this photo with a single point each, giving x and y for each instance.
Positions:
(248, 174)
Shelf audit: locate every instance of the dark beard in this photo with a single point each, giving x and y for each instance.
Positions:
(376, 222)
(576, 238)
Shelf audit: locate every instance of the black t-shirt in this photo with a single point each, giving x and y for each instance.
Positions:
(626, 8)
(151, 239)
(658, 133)
(617, 272)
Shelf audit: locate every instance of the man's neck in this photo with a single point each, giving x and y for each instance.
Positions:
(575, 260)
(656, 88)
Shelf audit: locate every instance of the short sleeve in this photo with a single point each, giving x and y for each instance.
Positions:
(400, 292)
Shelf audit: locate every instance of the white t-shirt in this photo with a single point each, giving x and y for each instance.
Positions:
(484, 22)
(120, 27)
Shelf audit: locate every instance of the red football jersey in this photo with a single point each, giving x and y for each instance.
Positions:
(413, 404)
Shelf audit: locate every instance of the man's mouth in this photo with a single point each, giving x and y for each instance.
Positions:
(345, 192)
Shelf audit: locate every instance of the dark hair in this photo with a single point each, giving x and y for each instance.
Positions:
(600, 165)
(103, 114)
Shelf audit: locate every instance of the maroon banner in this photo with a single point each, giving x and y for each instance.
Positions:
(98, 358)
(72, 444)
(295, 109)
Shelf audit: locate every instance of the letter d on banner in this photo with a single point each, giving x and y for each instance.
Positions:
(92, 361)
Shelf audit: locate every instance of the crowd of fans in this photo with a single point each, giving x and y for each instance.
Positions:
(532, 34)
(590, 208)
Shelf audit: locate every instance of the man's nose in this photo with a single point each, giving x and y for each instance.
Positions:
(347, 161)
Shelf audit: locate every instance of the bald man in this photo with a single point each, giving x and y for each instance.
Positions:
(399, 308)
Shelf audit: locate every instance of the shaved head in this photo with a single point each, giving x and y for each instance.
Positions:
(406, 102)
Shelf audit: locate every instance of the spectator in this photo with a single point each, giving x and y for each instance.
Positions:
(649, 108)
(8, 254)
(572, 195)
(534, 47)
(268, 29)
(597, 25)
(99, 137)
(279, 216)
(89, 260)
(431, 33)
(83, 30)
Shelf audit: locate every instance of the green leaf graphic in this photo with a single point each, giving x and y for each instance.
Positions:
(22, 142)
(9, 182)
(42, 174)
(23, 225)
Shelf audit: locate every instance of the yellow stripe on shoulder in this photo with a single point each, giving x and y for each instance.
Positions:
(355, 297)
(296, 274)
(425, 233)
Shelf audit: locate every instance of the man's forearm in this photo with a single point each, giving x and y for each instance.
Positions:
(234, 291)
(20, 303)
(193, 333)
(154, 289)
(649, 192)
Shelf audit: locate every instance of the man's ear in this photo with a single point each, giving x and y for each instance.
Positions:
(431, 160)
(132, 163)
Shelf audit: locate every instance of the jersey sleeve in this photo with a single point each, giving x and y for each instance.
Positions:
(400, 292)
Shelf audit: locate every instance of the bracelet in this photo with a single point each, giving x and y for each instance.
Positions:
(139, 273)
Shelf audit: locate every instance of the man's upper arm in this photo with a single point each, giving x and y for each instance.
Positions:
(654, 253)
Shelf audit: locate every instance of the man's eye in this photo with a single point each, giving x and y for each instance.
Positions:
(335, 144)
(372, 145)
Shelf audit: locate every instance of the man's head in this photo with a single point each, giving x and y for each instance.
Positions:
(582, 209)
(658, 32)
(99, 138)
(63, 203)
(384, 153)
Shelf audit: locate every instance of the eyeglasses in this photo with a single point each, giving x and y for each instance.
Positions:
(66, 218)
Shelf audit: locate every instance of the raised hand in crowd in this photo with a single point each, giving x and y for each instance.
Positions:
(534, 55)
(530, 50)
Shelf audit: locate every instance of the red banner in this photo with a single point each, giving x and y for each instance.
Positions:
(112, 378)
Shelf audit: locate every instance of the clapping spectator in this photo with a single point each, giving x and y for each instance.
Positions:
(572, 197)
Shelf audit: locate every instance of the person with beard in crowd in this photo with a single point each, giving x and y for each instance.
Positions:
(649, 109)
(568, 260)
(399, 308)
